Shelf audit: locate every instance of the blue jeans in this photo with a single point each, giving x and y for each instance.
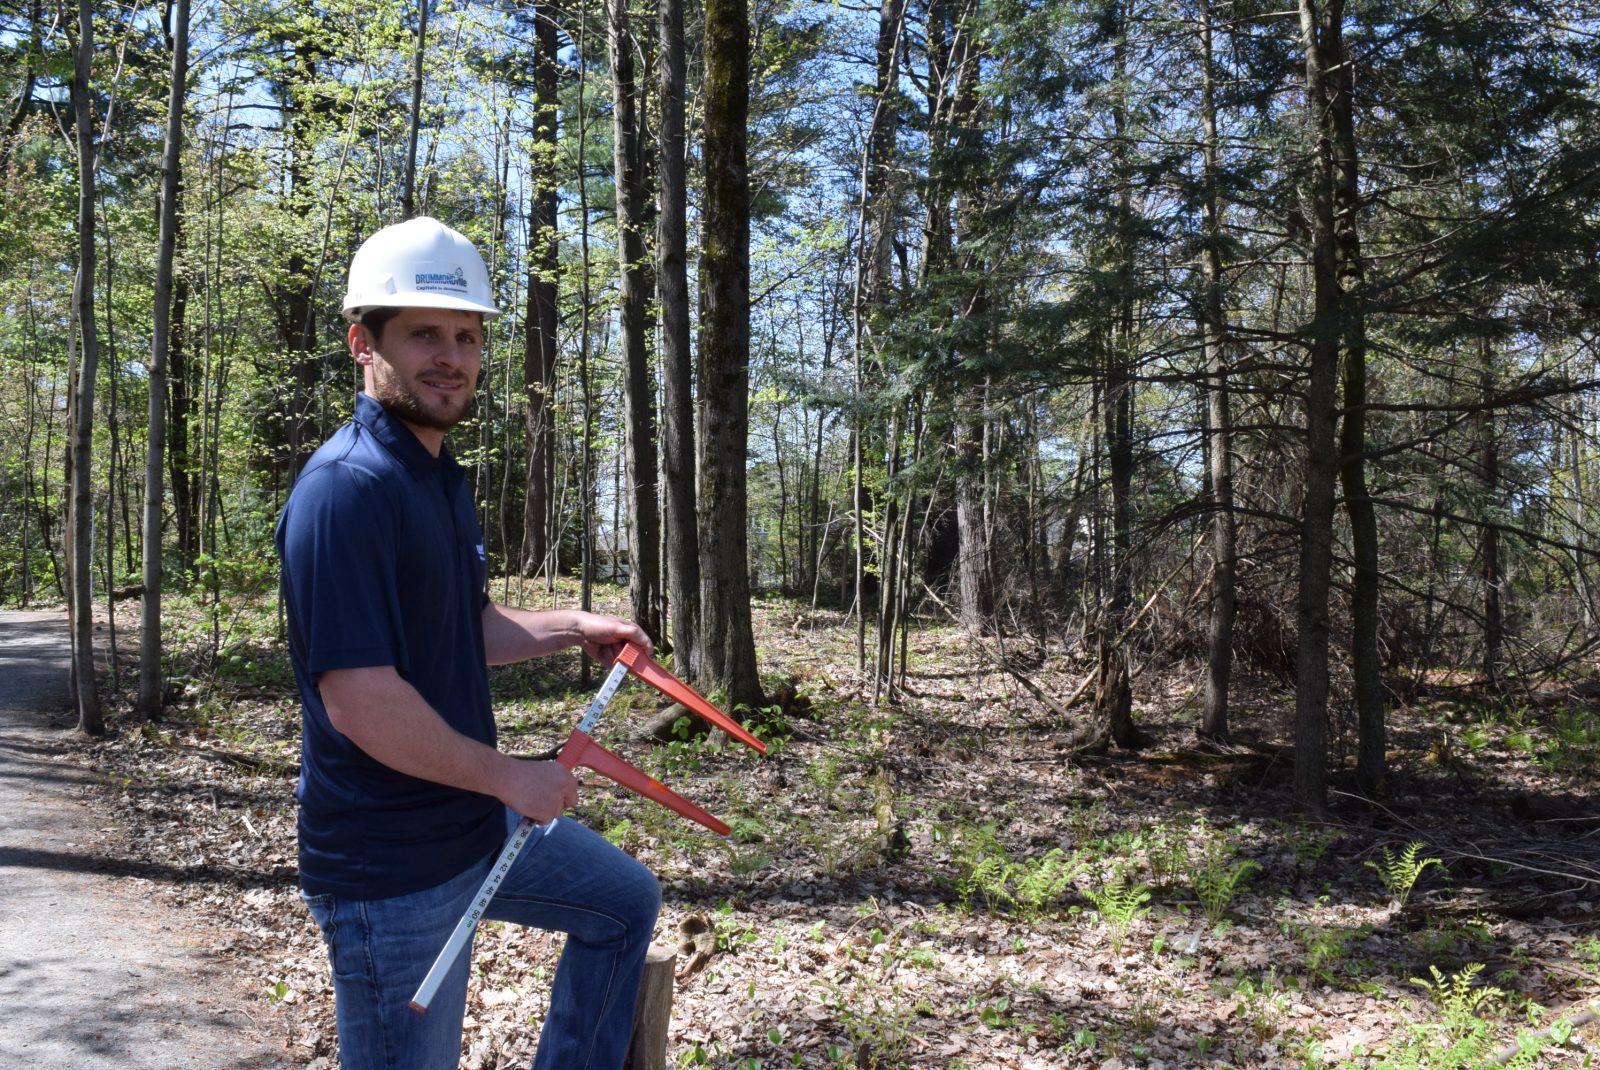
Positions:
(567, 879)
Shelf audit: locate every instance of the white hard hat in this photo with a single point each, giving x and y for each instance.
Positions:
(420, 263)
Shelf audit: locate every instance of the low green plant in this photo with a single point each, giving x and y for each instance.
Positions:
(878, 1019)
(731, 933)
(1589, 952)
(1118, 905)
(1167, 852)
(1576, 747)
(619, 833)
(997, 1014)
(1462, 1035)
(1326, 947)
(1309, 843)
(1030, 887)
(1260, 1004)
(1400, 870)
(1037, 884)
(824, 773)
(1084, 822)
(1218, 876)
(1510, 713)
(1460, 1001)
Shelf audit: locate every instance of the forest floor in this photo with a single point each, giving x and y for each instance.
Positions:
(943, 883)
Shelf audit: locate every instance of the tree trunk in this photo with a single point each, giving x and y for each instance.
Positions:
(1366, 664)
(150, 679)
(1322, 457)
(1224, 531)
(644, 534)
(408, 193)
(974, 574)
(728, 646)
(1114, 694)
(586, 467)
(539, 342)
(183, 385)
(975, 569)
(81, 510)
(1489, 539)
(677, 359)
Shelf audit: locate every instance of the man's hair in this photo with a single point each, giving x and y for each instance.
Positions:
(375, 319)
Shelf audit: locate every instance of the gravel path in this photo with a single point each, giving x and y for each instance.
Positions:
(96, 969)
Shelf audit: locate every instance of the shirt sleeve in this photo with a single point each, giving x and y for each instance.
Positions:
(340, 570)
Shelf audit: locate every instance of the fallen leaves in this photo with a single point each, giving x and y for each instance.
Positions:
(813, 944)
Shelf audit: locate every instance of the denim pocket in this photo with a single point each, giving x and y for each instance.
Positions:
(322, 910)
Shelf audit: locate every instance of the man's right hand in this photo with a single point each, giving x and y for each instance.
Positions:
(538, 790)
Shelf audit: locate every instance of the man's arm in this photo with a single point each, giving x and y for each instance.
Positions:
(517, 634)
(381, 713)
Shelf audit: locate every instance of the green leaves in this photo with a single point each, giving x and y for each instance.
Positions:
(1399, 870)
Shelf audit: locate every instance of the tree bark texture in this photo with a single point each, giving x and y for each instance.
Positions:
(1322, 457)
(81, 509)
(1114, 695)
(975, 571)
(728, 645)
(644, 513)
(408, 193)
(539, 344)
(1366, 664)
(1224, 529)
(150, 676)
(677, 359)
(1494, 624)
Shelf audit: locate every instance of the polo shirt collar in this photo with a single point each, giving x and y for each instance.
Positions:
(398, 438)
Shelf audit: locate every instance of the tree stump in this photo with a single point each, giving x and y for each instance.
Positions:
(652, 1014)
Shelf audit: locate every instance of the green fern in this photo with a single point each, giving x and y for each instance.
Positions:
(986, 873)
(1399, 871)
(1038, 883)
(1218, 878)
(1120, 904)
(1460, 1001)
(1167, 852)
(981, 863)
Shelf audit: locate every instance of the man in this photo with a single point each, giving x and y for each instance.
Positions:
(404, 800)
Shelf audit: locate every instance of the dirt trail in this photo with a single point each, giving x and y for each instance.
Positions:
(96, 970)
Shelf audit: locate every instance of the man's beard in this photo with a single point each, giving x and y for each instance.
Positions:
(396, 396)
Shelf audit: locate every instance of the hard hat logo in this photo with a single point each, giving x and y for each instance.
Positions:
(434, 280)
(420, 263)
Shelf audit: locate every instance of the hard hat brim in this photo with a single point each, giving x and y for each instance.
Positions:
(355, 307)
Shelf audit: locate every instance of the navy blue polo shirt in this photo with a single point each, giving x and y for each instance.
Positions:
(383, 565)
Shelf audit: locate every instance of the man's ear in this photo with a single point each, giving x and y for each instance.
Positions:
(360, 341)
